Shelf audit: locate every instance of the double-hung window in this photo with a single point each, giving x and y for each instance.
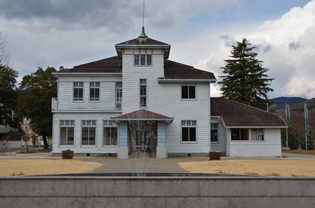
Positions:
(214, 132)
(110, 133)
(189, 92)
(239, 134)
(189, 131)
(118, 95)
(77, 91)
(143, 59)
(94, 91)
(143, 92)
(88, 132)
(257, 134)
(66, 132)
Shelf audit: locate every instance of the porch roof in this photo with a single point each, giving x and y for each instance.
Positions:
(143, 114)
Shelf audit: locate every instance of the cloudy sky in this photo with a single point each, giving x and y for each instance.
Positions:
(56, 33)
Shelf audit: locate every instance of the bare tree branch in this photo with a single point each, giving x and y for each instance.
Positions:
(4, 53)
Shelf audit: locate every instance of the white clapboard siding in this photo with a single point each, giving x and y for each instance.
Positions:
(165, 99)
(77, 147)
(107, 93)
(271, 146)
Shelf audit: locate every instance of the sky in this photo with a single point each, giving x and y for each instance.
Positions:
(54, 33)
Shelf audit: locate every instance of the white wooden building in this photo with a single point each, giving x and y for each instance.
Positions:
(140, 101)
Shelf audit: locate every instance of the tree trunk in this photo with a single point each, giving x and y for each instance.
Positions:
(45, 141)
(300, 145)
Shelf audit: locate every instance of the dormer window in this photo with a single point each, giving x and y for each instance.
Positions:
(143, 59)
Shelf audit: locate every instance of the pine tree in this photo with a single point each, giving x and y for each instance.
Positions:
(245, 80)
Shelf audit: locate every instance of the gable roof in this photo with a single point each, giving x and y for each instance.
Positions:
(235, 114)
(143, 113)
(142, 41)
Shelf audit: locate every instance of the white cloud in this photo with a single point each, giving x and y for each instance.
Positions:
(287, 47)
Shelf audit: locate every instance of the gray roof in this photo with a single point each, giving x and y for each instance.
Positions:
(172, 69)
(241, 115)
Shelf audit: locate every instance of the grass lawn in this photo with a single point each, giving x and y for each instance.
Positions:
(304, 152)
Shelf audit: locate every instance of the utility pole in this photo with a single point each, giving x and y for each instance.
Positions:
(306, 125)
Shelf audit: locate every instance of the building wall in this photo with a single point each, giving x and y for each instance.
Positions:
(271, 146)
(107, 93)
(165, 99)
(77, 147)
(221, 144)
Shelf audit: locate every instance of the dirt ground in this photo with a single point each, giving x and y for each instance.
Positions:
(38, 167)
(295, 168)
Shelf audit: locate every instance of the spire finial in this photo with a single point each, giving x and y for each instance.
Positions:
(143, 35)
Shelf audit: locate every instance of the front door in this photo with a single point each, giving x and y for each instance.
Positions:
(142, 136)
(143, 140)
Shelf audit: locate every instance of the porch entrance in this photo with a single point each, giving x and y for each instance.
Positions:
(142, 138)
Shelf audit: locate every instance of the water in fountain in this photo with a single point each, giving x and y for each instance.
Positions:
(142, 145)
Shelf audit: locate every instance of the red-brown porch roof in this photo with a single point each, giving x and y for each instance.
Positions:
(143, 113)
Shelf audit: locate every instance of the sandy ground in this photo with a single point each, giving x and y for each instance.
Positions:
(254, 167)
(37, 167)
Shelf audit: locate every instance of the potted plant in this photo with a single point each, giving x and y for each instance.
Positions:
(214, 155)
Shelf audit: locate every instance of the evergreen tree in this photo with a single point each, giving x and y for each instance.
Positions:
(245, 80)
(34, 101)
(8, 96)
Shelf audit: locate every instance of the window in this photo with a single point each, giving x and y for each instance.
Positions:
(143, 59)
(214, 132)
(188, 92)
(239, 134)
(78, 91)
(257, 134)
(66, 132)
(88, 132)
(189, 131)
(143, 92)
(110, 133)
(118, 95)
(94, 91)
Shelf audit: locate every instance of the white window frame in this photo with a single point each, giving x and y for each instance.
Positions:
(139, 63)
(188, 98)
(94, 86)
(118, 95)
(143, 96)
(67, 124)
(190, 124)
(257, 134)
(111, 125)
(214, 126)
(88, 124)
(78, 85)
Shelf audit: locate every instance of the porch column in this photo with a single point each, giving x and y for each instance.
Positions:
(161, 140)
(123, 140)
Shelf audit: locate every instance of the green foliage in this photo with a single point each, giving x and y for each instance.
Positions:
(34, 101)
(13, 174)
(245, 80)
(8, 95)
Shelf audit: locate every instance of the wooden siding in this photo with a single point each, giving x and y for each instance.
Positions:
(165, 98)
(77, 147)
(107, 94)
(271, 146)
(221, 144)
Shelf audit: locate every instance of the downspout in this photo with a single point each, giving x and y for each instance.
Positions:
(210, 115)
